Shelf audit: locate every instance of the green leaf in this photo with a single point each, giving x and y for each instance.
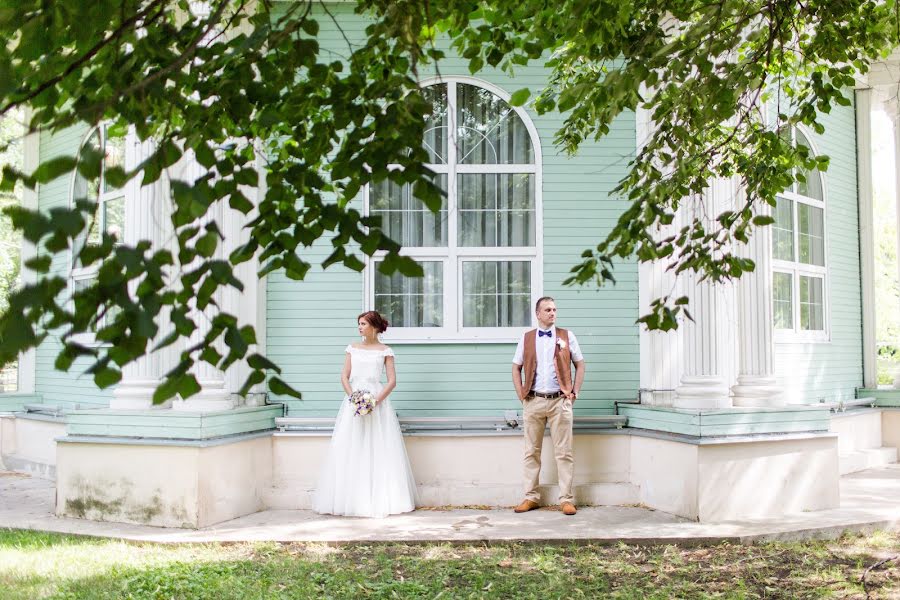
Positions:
(260, 362)
(520, 97)
(280, 388)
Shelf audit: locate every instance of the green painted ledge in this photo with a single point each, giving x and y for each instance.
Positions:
(167, 424)
(299, 408)
(886, 397)
(727, 421)
(16, 401)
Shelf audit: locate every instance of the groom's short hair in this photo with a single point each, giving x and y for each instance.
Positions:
(541, 300)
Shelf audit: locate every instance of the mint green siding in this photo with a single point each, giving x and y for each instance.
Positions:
(311, 322)
(58, 387)
(831, 370)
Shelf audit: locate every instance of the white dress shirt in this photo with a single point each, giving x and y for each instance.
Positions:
(545, 380)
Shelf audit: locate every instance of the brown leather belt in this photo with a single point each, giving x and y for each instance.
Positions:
(543, 395)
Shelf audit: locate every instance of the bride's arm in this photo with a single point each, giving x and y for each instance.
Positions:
(391, 379)
(345, 374)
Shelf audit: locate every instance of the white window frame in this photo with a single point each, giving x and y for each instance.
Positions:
(796, 269)
(453, 255)
(78, 273)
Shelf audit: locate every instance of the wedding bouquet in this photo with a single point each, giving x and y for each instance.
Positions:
(363, 402)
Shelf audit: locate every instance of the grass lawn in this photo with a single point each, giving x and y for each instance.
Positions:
(41, 565)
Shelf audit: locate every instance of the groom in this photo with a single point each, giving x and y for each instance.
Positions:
(547, 393)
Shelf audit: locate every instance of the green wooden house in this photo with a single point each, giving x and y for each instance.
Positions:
(754, 409)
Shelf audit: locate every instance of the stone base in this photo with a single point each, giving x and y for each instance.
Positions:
(890, 427)
(756, 476)
(28, 443)
(737, 479)
(164, 484)
(198, 483)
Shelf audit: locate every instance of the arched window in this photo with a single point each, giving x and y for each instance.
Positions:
(108, 199)
(481, 252)
(798, 253)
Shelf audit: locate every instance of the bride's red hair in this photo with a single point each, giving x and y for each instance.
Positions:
(374, 319)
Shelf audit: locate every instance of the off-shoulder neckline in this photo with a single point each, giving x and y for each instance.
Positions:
(385, 349)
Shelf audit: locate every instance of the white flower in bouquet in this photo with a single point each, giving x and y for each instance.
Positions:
(363, 402)
(561, 343)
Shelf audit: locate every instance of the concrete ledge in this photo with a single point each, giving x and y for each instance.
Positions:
(14, 401)
(169, 424)
(130, 441)
(727, 421)
(884, 397)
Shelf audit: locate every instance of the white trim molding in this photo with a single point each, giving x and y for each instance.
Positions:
(31, 150)
(797, 269)
(452, 256)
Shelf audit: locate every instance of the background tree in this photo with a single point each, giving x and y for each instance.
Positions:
(250, 71)
(10, 239)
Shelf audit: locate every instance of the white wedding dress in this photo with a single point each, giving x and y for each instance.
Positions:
(366, 472)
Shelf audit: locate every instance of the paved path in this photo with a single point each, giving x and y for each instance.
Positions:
(869, 500)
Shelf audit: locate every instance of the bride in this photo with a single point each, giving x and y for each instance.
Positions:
(366, 471)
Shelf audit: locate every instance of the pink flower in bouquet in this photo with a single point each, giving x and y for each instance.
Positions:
(363, 402)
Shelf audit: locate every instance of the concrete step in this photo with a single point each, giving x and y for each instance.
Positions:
(860, 460)
(858, 429)
(24, 464)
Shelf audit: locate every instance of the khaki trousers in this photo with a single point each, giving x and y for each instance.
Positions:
(557, 413)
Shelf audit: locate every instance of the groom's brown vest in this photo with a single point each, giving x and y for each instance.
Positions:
(562, 361)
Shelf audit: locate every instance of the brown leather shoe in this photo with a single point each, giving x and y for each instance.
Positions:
(526, 505)
(568, 508)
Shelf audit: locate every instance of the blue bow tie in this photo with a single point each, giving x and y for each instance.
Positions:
(543, 333)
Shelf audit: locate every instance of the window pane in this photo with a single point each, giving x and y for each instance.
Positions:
(412, 301)
(783, 230)
(114, 155)
(436, 126)
(488, 130)
(405, 218)
(89, 189)
(812, 304)
(114, 210)
(79, 285)
(496, 209)
(811, 225)
(783, 291)
(496, 294)
(812, 187)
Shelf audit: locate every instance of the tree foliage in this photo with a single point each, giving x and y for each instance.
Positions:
(244, 71)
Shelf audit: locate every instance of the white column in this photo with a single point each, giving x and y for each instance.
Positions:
(660, 351)
(249, 305)
(756, 383)
(864, 152)
(895, 116)
(213, 394)
(708, 340)
(145, 219)
(30, 160)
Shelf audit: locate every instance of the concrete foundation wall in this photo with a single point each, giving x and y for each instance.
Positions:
(195, 485)
(857, 430)
(890, 427)
(767, 479)
(465, 470)
(665, 471)
(162, 485)
(7, 435)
